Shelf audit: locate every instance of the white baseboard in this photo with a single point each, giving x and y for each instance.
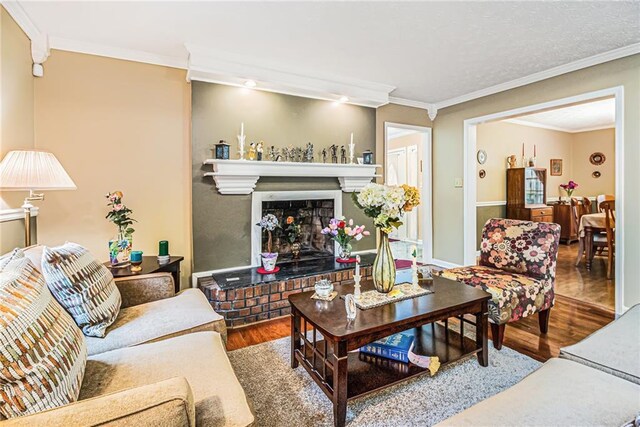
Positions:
(445, 264)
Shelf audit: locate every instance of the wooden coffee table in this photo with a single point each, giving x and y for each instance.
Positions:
(325, 350)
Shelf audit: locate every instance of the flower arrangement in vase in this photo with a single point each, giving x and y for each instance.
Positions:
(120, 215)
(343, 232)
(269, 223)
(292, 233)
(569, 187)
(386, 204)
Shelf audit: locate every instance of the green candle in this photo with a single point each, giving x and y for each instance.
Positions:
(163, 248)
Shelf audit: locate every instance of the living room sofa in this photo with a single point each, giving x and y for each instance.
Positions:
(162, 362)
(594, 382)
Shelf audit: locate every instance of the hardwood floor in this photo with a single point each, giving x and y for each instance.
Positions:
(571, 320)
(576, 282)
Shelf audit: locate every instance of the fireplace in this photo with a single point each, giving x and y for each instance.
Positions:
(312, 209)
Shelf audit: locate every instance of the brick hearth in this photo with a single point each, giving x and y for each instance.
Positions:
(266, 300)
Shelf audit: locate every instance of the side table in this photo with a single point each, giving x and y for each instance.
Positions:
(150, 265)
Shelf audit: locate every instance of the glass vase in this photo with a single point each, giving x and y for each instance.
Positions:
(120, 250)
(345, 251)
(384, 266)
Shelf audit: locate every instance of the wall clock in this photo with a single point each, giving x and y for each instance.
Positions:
(597, 159)
(482, 156)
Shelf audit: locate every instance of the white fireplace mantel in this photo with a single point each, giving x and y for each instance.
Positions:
(241, 176)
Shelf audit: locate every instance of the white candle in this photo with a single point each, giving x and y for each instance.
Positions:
(242, 129)
(414, 254)
(357, 265)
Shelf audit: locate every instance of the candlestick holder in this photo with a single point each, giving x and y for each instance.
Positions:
(532, 162)
(414, 277)
(356, 286)
(241, 139)
(524, 162)
(352, 148)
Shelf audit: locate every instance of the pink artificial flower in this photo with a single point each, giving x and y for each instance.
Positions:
(118, 207)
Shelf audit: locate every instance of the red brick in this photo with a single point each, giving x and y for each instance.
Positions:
(285, 311)
(273, 314)
(286, 294)
(239, 294)
(244, 312)
(231, 294)
(250, 302)
(256, 310)
(282, 286)
(221, 296)
(239, 303)
(275, 297)
(225, 305)
(231, 314)
(274, 288)
(248, 293)
(263, 299)
(278, 304)
(291, 284)
(263, 316)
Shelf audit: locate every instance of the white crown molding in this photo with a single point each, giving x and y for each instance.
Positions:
(22, 19)
(222, 67)
(432, 110)
(491, 203)
(16, 214)
(118, 53)
(558, 128)
(543, 75)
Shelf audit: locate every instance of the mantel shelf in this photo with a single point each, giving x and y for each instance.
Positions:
(241, 176)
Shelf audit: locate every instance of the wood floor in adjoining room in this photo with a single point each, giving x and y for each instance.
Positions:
(570, 322)
(578, 283)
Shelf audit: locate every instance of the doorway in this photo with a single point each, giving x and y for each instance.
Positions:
(471, 174)
(408, 161)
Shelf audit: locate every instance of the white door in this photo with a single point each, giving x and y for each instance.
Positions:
(397, 175)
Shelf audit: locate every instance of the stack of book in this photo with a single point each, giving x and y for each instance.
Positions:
(394, 347)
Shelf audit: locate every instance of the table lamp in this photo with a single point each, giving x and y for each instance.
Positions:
(31, 170)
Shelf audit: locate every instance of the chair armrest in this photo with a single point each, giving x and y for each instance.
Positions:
(168, 402)
(136, 290)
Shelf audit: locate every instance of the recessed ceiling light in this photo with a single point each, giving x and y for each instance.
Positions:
(344, 99)
(250, 83)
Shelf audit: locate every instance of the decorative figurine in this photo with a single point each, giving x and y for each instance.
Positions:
(350, 306)
(334, 153)
(352, 149)
(252, 151)
(274, 154)
(324, 155)
(260, 149)
(241, 139)
(343, 155)
(309, 153)
(512, 161)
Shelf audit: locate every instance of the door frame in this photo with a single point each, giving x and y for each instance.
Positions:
(470, 173)
(426, 198)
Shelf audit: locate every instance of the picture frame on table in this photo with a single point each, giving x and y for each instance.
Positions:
(555, 168)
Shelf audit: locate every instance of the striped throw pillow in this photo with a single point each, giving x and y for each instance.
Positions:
(83, 286)
(42, 352)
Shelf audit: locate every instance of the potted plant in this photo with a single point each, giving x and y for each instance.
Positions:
(269, 223)
(386, 204)
(292, 234)
(569, 187)
(120, 215)
(343, 233)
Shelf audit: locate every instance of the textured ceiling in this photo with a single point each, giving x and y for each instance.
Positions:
(430, 51)
(576, 118)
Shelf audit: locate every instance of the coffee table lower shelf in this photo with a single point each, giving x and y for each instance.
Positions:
(369, 373)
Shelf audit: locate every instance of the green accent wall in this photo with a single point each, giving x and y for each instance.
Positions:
(221, 223)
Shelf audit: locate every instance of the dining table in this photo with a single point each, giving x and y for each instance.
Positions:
(590, 224)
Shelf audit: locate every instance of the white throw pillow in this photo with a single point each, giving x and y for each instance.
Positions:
(83, 286)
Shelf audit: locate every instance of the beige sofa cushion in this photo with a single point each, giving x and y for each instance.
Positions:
(614, 349)
(560, 393)
(199, 357)
(189, 311)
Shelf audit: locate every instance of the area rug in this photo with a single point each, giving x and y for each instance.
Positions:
(282, 396)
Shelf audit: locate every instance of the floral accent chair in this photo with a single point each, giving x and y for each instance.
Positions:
(518, 268)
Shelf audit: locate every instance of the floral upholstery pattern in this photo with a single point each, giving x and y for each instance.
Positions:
(517, 267)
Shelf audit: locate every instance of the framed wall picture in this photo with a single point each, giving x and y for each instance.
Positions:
(556, 167)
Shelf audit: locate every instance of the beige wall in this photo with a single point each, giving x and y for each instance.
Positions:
(501, 139)
(116, 125)
(448, 154)
(16, 97)
(585, 144)
(400, 114)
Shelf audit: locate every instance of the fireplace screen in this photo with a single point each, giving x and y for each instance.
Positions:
(312, 215)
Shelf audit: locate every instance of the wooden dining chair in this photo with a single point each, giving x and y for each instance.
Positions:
(609, 208)
(578, 208)
(603, 198)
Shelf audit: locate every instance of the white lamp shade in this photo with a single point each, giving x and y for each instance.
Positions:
(33, 170)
